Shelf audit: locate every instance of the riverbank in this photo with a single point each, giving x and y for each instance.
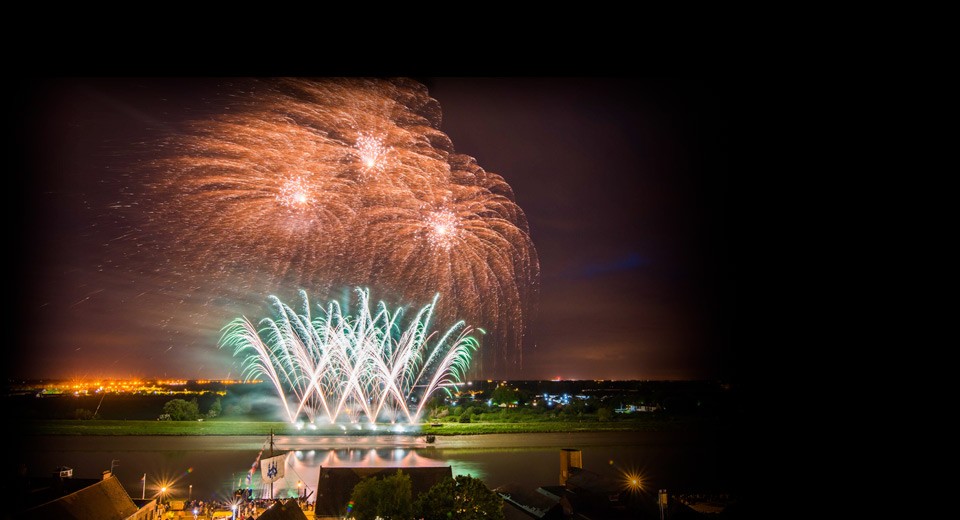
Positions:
(229, 428)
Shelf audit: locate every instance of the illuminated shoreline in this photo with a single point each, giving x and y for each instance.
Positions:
(55, 387)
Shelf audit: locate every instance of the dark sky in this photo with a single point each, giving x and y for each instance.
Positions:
(624, 183)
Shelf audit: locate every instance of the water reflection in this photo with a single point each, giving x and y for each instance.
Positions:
(304, 465)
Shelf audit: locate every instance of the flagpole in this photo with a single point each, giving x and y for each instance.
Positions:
(271, 455)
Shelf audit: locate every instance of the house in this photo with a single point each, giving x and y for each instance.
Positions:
(89, 499)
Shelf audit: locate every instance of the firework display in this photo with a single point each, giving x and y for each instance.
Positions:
(365, 367)
(339, 183)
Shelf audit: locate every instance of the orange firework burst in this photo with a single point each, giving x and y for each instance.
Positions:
(338, 183)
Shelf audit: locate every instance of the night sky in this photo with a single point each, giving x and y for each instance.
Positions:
(624, 184)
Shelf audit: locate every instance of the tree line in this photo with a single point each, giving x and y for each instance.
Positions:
(183, 410)
(391, 498)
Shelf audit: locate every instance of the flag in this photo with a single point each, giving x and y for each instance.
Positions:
(253, 467)
(272, 469)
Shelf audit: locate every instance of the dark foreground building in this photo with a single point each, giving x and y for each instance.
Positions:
(289, 510)
(584, 494)
(529, 504)
(336, 484)
(84, 499)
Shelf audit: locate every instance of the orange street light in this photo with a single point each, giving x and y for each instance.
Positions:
(633, 482)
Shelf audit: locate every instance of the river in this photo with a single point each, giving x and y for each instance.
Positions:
(216, 465)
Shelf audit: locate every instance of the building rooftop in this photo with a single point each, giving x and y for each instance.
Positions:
(532, 503)
(586, 480)
(289, 510)
(103, 500)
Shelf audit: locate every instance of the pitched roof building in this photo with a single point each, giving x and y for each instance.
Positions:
(102, 500)
(289, 510)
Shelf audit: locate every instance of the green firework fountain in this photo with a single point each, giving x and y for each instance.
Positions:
(339, 367)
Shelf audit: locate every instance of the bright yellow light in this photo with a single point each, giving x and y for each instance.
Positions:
(633, 482)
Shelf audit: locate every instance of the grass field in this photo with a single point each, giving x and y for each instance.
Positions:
(73, 427)
(224, 427)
